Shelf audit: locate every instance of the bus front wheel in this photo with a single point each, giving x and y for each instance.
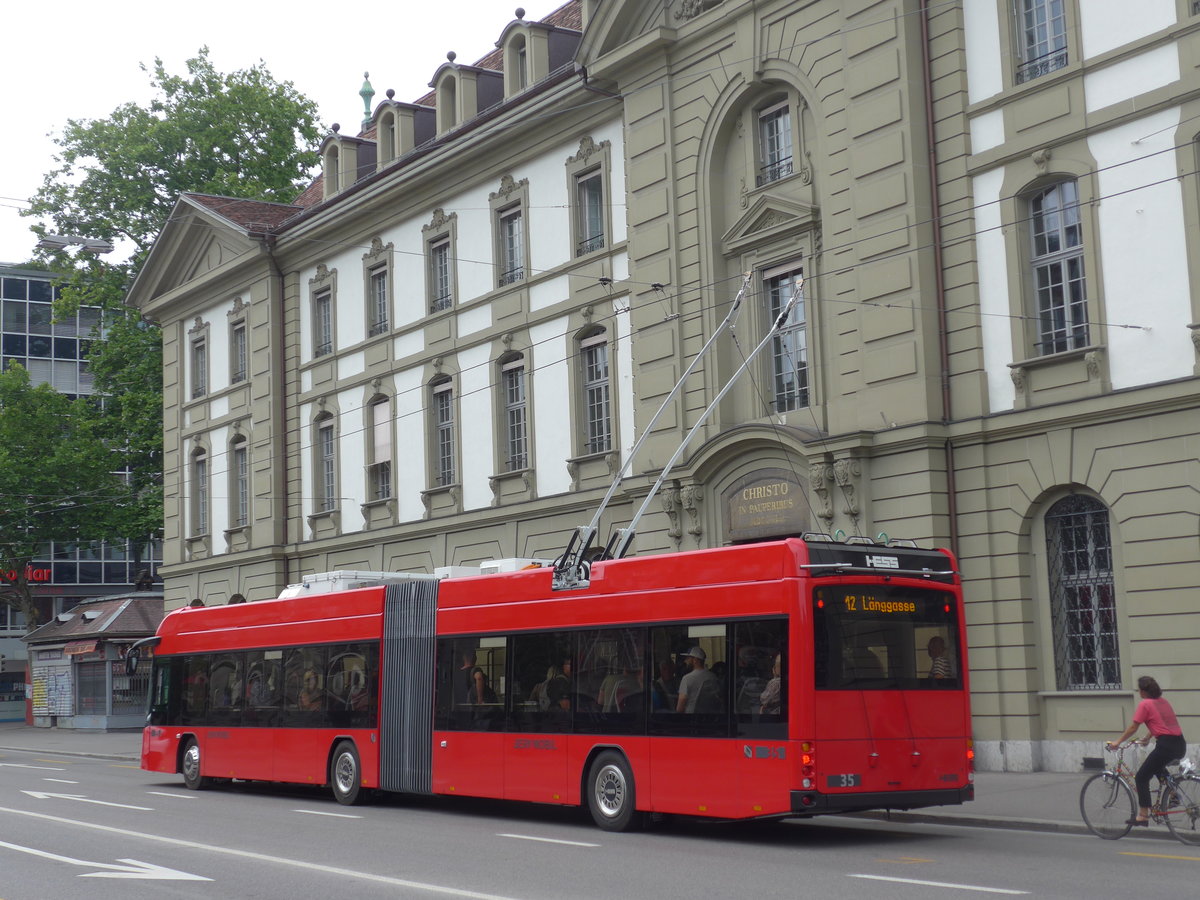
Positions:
(610, 792)
(345, 774)
(190, 766)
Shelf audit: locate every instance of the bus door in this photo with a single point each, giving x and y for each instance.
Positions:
(542, 692)
(469, 716)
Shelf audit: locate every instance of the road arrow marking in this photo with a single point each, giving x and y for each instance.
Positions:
(40, 795)
(132, 868)
(24, 766)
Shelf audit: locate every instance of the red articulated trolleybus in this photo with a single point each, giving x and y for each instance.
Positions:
(786, 678)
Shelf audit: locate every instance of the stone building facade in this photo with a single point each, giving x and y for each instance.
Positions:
(443, 352)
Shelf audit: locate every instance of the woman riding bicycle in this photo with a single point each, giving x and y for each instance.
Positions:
(1159, 718)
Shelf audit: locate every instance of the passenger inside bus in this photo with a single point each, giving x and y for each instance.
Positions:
(700, 689)
(940, 667)
(311, 695)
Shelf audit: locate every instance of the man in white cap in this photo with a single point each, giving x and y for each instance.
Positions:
(699, 682)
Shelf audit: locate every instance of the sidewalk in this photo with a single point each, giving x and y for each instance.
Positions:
(1037, 801)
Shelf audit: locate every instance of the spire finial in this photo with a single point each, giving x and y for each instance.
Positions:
(366, 92)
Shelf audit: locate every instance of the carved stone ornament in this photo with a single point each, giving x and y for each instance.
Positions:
(1195, 337)
(671, 506)
(507, 187)
(689, 9)
(692, 497)
(323, 275)
(573, 473)
(587, 148)
(745, 201)
(377, 247)
(806, 170)
(587, 312)
(1018, 376)
(376, 384)
(506, 339)
(1041, 159)
(437, 363)
(239, 307)
(1091, 359)
(440, 219)
(819, 477)
(198, 324)
(846, 473)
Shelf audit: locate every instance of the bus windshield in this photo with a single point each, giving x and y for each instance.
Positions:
(885, 637)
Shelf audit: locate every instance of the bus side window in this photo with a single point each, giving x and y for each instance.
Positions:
(760, 681)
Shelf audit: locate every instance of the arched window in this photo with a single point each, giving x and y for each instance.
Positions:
(596, 402)
(325, 446)
(1083, 611)
(239, 482)
(1057, 261)
(441, 412)
(200, 492)
(514, 406)
(380, 466)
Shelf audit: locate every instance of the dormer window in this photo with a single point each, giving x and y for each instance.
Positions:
(332, 170)
(447, 104)
(386, 135)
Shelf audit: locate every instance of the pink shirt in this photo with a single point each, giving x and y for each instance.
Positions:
(1158, 716)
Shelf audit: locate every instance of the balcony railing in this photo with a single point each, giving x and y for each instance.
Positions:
(377, 328)
(323, 349)
(517, 274)
(1043, 65)
(587, 245)
(441, 303)
(773, 172)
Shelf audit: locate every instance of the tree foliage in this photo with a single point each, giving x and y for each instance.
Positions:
(56, 480)
(241, 134)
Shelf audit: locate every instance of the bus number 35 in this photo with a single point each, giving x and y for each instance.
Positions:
(844, 780)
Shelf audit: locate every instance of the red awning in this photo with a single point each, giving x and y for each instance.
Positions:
(80, 647)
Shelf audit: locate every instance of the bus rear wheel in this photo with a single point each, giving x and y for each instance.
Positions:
(345, 774)
(610, 792)
(190, 766)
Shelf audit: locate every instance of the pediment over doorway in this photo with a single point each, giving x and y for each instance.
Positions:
(769, 217)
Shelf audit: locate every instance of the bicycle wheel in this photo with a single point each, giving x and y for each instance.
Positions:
(1183, 813)
(1106, 804)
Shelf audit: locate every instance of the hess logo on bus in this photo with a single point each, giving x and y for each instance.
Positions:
(883, 562)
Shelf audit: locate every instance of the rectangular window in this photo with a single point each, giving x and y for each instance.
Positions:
(1059, 283)
(379, 302)
(789, 352)
(380, 475)
(323, 323)
(1043, 27)
(775, 143)
(439, 276)
(200, 484)
(443, 423)
(470, 683)
(512, 246)
(596, 405)
(516, 433)
(590, 199)
(241, 485)
(199, 368)
(237, 353)
(327, 457)
(882, 637)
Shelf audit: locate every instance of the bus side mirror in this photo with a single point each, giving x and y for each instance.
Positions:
(131, 661)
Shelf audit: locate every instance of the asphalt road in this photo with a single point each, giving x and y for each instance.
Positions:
(75, 827)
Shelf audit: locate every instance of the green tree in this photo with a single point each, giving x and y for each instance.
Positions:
(241, 134)
(48, 442)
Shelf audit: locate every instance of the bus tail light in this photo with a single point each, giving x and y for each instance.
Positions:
(970, 759)
(808, 765)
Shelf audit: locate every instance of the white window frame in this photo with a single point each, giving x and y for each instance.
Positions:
(596, 390)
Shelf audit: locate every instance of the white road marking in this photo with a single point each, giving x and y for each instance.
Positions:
(176, 796)
(261, 857)
(317, 812)
(941, 884)
(40, 795)
(24, 766)
(545, 840)
(132, 868)
(61, 780)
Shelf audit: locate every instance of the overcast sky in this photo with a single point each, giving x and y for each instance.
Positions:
(80, 60)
